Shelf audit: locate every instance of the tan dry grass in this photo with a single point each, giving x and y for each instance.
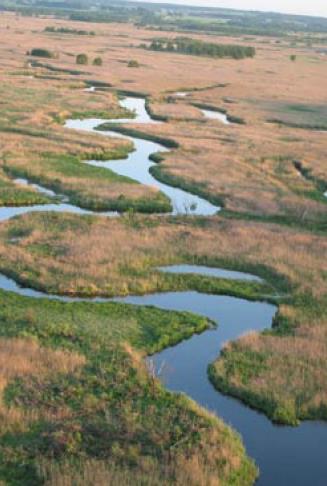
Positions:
(25, 358)
(243, 170)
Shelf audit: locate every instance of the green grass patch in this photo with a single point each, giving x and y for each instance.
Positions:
(114, 411)
(55, 171)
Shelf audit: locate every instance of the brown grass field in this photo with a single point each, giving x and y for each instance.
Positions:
(250, 167)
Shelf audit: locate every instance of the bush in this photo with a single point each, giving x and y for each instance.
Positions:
(293, 57)
(97, 61)
(82, 59)
(133, 63)
(39, 52)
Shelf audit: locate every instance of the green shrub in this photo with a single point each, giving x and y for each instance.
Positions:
(133, 63)
(97, 61)
(196, 47)
(293, 57)
(82, 59)
(40, 52)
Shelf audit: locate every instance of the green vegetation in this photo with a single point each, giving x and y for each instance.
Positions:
(13, 195)
(82, 59)
(133, 63)
(245, 363)
(317, 224)
(104, 408)
(201, 190)
(66, 174)
(195, 47)
(307, 174)
(56, 69)
(296, 115)
(67, 30)
(97, 61)
(39, 52)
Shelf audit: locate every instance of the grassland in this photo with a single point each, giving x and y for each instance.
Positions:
(78, 406)
(290, 260)
(249, 167)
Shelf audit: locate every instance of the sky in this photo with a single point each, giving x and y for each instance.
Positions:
(300, 7)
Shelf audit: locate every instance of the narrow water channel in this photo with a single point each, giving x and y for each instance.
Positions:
(138, 163)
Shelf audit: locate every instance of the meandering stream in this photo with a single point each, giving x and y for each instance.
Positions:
(137, 164)
(286, 456)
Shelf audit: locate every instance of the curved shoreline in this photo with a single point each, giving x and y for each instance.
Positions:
(138, 164)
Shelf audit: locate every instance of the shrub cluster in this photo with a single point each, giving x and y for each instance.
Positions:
(67, 30)
(199, 48)
(40, 52)
(83, 59)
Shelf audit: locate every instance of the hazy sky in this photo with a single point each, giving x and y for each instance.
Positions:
(301, 7)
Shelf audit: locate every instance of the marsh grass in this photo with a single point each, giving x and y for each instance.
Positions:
(95, 408)
(290, 261)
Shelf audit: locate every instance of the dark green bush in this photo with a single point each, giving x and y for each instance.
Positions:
(82, 59)
(199, 48)
(40, 52)
(97, 61)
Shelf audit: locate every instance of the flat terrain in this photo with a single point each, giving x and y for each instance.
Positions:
(78, 406)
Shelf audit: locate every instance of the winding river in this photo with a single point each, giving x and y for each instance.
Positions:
(286, 456)
(137, 164)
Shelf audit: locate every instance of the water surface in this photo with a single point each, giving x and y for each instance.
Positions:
(210, 272)
(216, 115)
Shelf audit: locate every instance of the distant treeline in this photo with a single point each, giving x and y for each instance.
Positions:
(67, 30)
(199, 48)
(100, 17)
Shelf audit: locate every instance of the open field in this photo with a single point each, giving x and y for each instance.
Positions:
(250, 167)
(78, 406)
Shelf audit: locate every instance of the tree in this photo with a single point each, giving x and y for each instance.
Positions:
(82, 59)
(97, 61)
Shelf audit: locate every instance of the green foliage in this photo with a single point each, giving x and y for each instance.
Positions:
(40, 52)
(67, 30)
(114, 411)
(82, 59)
(293, 57)
(13, 195)
(186, 45)
(97, 61)
(67, 166)
(133, 63)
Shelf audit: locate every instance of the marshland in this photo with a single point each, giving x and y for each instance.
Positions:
(163, 247)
